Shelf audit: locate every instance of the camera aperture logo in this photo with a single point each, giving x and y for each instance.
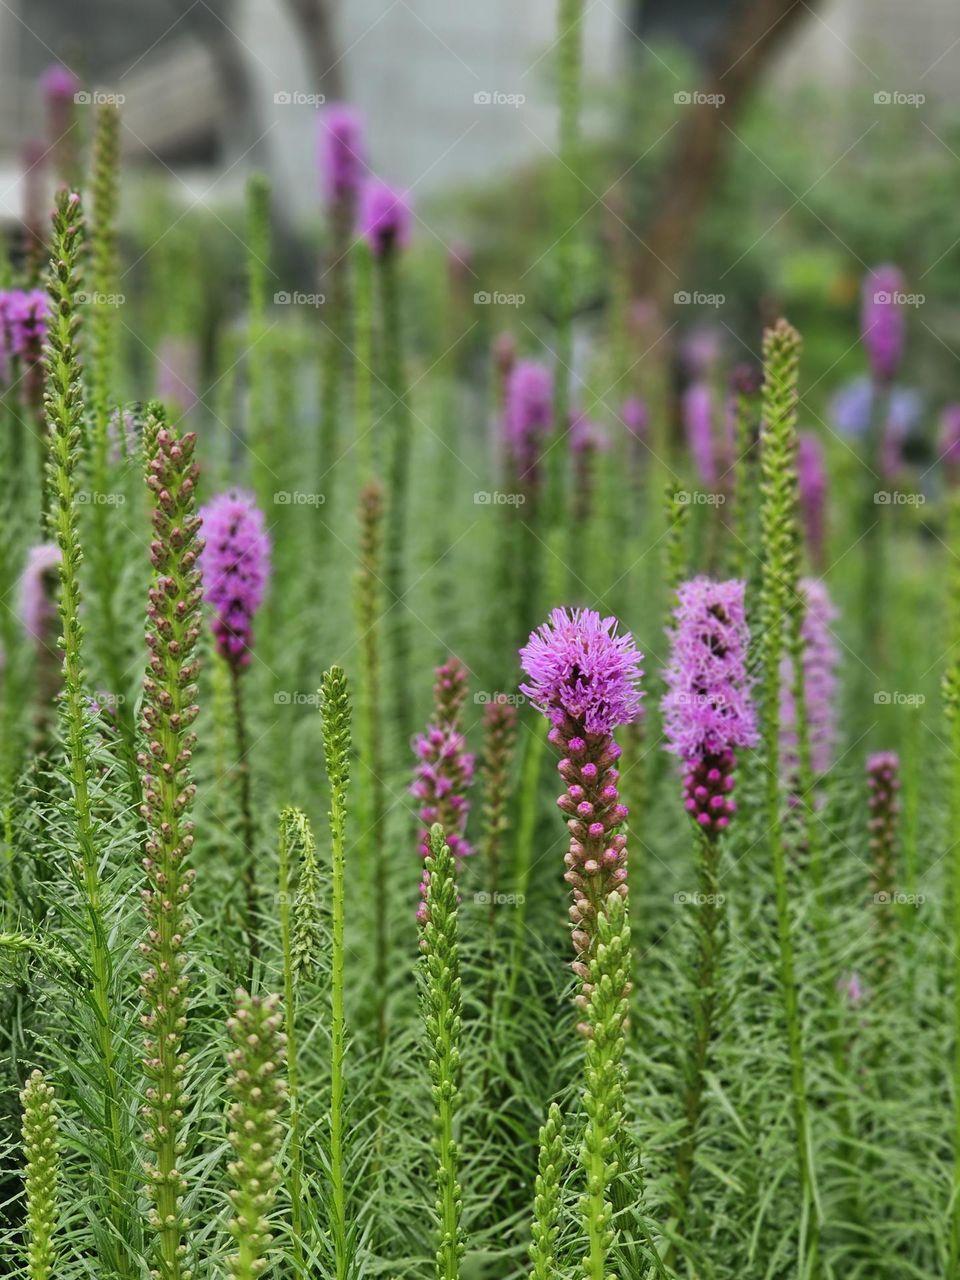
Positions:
(896, 98)
(696, 298)
(498, 299)
(297, 299)
(696, 98)
(495, 98)
(483, 498)
(294, 498)
(297, 98)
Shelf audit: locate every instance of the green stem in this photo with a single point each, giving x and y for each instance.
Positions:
(526, 828)
(64, 409)
(569, 56)
(397, 492)
(246, 814)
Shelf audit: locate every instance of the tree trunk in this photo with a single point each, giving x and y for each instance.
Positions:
(314, 23)
(755, 30)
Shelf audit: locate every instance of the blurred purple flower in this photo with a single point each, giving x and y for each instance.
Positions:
(37, 590)
(949, 440)
(528, 417)
(58, 84)
(881, 321)
(821, 658)
(812, 484)
(635, 417)
(385, 219)
(235, 564)
(178, 373)
(341, 151)
(23, 323)
(700, 351)
(697, 411)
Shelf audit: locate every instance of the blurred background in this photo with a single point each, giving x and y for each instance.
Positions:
(741, 157)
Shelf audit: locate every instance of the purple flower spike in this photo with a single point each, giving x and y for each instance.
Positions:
(821, 658)
(385, 217)
(528, 418)
(697, 410)
(341, 151)
(950, 440)
(444, 770)
(812, 484)
(23, 323)
(58, 84)
(235, 564)
(635, 417)
(583, 677)
(707, 709)
(881, 321)
(38, 589)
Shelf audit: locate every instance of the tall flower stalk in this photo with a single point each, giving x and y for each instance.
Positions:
(778, 524)
(65, 411)
(546, 1201)
(235, 564)
(445, 768)
(385, 224)
(169, 710)
(604, 1083)
(367, 595)
(256, 1132)
(300, 944)
(41, 1175)
(335, 708)
(582, 676)
(260, 444)
(708, 717)
(500, 737)
(442, 1015)
(342, 157)
(883, 803)
(951, 705)
(569, 53)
